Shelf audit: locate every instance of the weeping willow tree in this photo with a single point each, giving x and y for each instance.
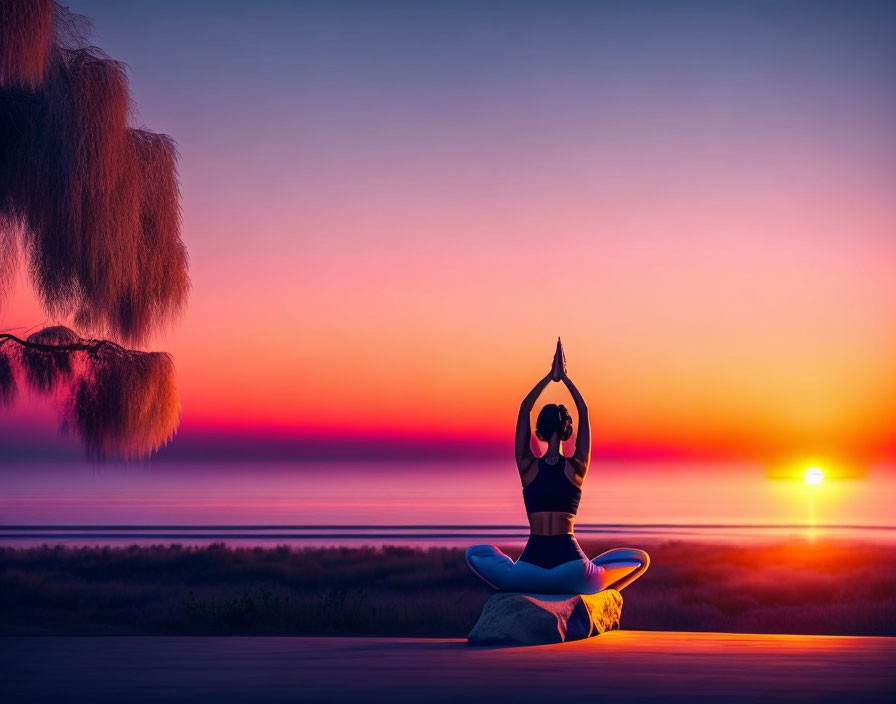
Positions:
(120, 403)
(90, 202)
(91, 205)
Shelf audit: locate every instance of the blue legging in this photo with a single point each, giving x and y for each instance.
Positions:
(614, 569)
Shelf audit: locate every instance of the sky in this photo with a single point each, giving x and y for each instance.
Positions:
(392, 210)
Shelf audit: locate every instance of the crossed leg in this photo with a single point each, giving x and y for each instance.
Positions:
(614, 569)
(621, 566)
(492, 565)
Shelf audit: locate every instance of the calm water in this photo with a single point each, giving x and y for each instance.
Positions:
(420, 536)
(417, 503)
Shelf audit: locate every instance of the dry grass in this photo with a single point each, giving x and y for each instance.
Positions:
(832, 587)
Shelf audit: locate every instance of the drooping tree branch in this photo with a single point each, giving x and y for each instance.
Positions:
(93, 203)
(26, 37)
(92, 206)
(121, 403)
(86, 345)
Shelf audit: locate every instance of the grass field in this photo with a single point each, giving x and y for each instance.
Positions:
(837, 588)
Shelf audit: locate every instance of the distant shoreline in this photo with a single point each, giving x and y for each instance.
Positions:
(401, 526)
(418, 535)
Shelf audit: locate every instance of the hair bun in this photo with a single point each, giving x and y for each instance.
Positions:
(553, 419)
(565, 422)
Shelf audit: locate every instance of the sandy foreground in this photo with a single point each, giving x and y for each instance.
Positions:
(622, 665)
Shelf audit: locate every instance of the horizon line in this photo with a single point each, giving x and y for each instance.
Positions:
(435, 526)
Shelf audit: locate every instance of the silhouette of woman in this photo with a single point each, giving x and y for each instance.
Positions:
(552, 561)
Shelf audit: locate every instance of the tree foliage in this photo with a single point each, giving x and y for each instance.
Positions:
(120, 403)
(92, 203)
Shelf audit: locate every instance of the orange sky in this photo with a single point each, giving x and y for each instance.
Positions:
(713, 240)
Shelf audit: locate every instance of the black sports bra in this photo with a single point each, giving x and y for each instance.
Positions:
(551, 490)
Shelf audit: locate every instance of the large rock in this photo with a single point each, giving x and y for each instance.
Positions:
(513, 618)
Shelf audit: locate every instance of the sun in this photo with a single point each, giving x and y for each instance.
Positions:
(814, 476)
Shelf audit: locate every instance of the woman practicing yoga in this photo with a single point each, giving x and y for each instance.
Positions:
(553, 562)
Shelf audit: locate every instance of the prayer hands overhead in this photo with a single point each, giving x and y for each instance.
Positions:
(558, 370)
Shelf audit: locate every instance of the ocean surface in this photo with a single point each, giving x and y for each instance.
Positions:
(422, 503)
(420, 536)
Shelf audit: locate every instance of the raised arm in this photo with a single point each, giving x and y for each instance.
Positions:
(583, 434)
(523, 424)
